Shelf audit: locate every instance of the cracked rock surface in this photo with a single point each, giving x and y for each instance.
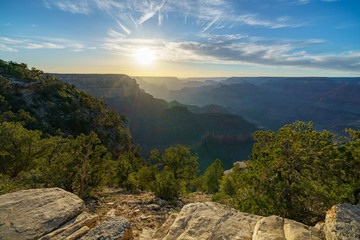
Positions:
(215, 221)
(47, 213)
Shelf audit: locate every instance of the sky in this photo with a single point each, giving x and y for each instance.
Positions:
(184, 38)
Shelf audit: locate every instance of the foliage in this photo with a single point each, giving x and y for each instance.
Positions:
(297, 173)
(347, 166)
(19, 148)
(147, 177)
(27, 160)
(179, 166)
(6, 185)
(39, 115)
(166, 186)
(42, 102)
(210, 181)
(174, 172)
(127, 167)
(90, 161)
(20, 70)
(179, 161)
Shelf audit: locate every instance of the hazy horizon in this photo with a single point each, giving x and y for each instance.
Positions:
(186, 39)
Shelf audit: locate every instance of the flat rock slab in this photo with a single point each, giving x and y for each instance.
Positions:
(215, 221)
(208, 221)
(111, 229)
(342, 222)
(30, 214)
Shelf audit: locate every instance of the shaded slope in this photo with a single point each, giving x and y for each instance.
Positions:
(155, 124)
(45, 103)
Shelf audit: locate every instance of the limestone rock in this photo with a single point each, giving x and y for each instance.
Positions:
(239, 164)
(113, 228)
(164, 230)
(73, 229)
(208, 221)
(269, 228)
(277, 228)
(146, 234)
(297, 231)
(215, 221)
(343, 222)
(30, 214)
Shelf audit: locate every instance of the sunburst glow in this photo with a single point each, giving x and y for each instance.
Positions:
(145, 56)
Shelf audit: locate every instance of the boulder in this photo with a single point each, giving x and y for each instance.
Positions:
(73, 229)
(207, 221)
(113, 228)
(342, 222)
(269, 228)
(239, 164)
(278, 228)
(48, 213)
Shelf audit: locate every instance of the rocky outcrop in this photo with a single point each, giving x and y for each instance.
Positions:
(241, 165)
(342, 222)
(214, 221)
(49, 213)
(113, 228)
(275, 227)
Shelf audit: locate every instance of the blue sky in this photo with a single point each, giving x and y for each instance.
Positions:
(188, 38)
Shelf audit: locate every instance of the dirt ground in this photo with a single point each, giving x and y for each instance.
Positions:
(141, 209)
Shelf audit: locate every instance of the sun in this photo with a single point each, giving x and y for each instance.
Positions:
(145, 56)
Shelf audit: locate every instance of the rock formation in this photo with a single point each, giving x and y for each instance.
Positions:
(51, 214)
(214, 221)
(54, 214)
(31, 214)
(342, 222)
(113, 228)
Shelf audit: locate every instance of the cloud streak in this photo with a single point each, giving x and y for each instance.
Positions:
(207, 13)
(13, 45)
(230, 50)
(75, 7)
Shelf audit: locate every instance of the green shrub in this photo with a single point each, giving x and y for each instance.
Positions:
(166, 186)
(297, 173)
(6, 185)
(210, 181)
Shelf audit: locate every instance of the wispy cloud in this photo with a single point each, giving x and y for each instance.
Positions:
(237, 50)
(5, 48)
(254, 20)
(151, 9)
(303, 2)
(125, 29)
(13, 45)
(206, 13)
(210, 24)
(114, 34)
(78, 6)
(274, 54)
(205, 17)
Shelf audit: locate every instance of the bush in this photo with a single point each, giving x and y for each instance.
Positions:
(210, 181)
(6, 185)
(297, 173)
(166, 186)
